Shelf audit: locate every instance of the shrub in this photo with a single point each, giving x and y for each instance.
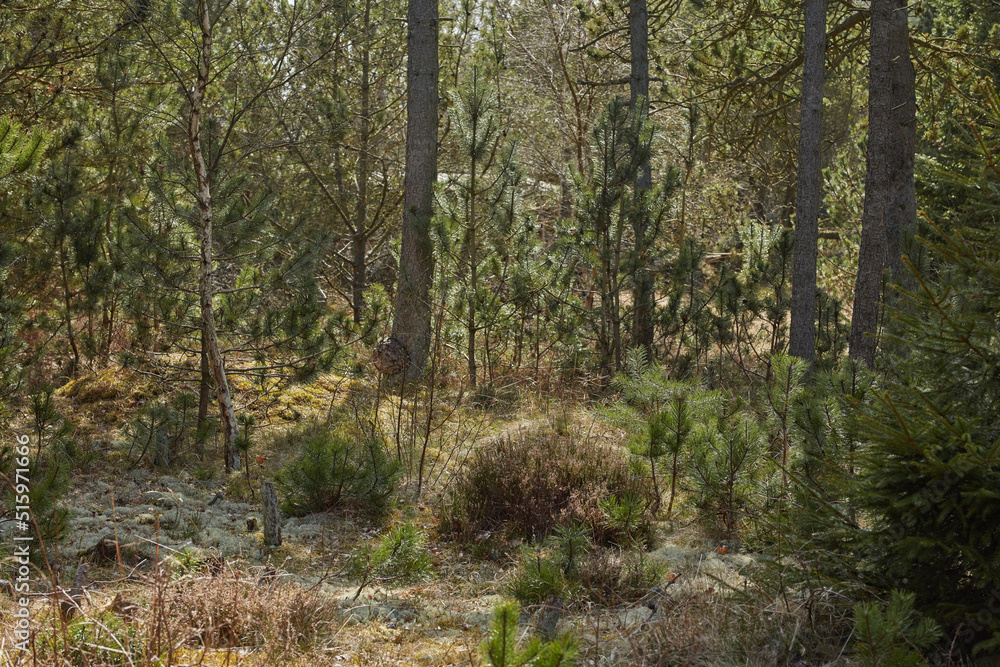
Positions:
(613, 577)
(540, 575)
(501, 648)
(727, 469)
(338, 467)
(526, 485)
(568, 565)
(103, 640)
(399, 554)
(48, 483)
(661, 415)
(893, 634)
(928, 485)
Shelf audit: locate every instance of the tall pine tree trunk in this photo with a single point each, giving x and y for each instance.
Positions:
(871, 257)
(903, 198)
(412, 317)
(802, 335)
(204, 394)
(359, 240)
(206, 280)
(890, 200)
(643, 296)
(473, 255)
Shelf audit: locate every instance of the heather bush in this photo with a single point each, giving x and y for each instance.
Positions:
(526, 484)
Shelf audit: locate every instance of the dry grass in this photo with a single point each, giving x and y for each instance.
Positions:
(186, 617)
(236, 617)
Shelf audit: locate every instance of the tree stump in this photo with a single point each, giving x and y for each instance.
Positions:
(73, 598)
(272, 521)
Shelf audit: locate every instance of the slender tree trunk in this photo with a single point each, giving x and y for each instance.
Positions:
(206, 278)
(643, 296)
(412, 317)
(359, 255)
(809, 191)
(204, 395)
(872, 254)
(565, 188)
(67, 302)
(903, 198)
(473, 267)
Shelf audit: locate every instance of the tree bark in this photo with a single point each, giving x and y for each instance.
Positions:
(809, 190)
(903, 198)
(872, 254)
(272, 519)
(889, 185)
(359, 240)
(206, 279)
(412, 317)
(643, 297)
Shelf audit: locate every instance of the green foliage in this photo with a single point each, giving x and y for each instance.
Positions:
(19, 152)
(501, 647)
(728, 467)
(529, 483)
(929, 482)
(159, 429)
(567, 564)
(50, 426)
(47, 482)
(685, 316)
(541, 574)
(103, 639)
(609, 208)
(484, 238)
(339, 465)
(627, 516)
(399, 554)
(893, 634)
(661, 413)
(48, 489)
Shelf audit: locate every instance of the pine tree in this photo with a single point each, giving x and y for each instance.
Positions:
(20, 152)
(620, 145)
(482, 207)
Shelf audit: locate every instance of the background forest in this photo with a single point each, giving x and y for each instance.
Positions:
(652, 332)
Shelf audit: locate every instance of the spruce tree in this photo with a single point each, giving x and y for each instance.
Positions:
(931, 481)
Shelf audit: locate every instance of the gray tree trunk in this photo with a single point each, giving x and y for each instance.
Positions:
(206, 282)
(359, 241)
(902, 216)
(889, 186)
(872, 254)
(272, 519)
(643, 293)
(412, 317)
(204, 396)
(809, 190)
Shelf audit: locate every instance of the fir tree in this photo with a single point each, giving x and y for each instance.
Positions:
(931, 479)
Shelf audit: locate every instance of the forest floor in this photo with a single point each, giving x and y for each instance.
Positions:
(177, 562)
